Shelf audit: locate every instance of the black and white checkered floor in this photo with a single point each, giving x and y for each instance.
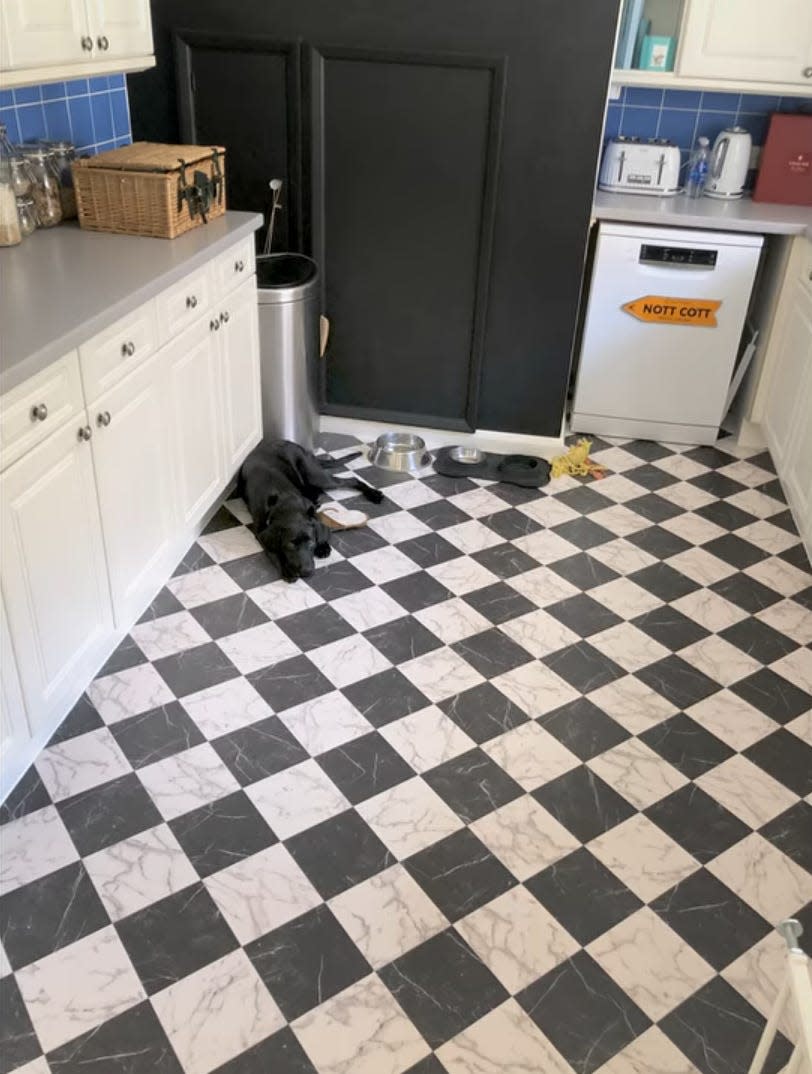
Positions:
(517, 783)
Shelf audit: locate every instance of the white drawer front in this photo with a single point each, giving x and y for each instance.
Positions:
(234, 266)
(181, 305)
(116, 351)
(38, 406)
(806, 265)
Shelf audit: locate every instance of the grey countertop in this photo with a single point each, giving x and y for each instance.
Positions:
(744, 214)
(62, 286)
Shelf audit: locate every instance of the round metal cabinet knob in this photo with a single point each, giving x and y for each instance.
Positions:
(85, 432)
(87, 44)
(103, 419)
(807, 72)
(103, 43)
(127, 349)
(239, 265)
(39, 412)
(224, 317)
(191, 302)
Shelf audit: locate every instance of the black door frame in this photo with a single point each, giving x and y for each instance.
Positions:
(312, 67)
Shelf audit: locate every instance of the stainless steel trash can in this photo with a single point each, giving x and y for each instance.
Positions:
(289, 346)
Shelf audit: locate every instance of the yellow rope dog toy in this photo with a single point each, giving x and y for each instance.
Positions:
(577, 463)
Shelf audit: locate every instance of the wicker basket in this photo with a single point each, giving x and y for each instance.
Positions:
(150, 189)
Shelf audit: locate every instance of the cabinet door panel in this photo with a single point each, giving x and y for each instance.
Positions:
(14, 729)
(53, 572)
(42, 32)
(239, 364)
(134, 475)
(125, 24)
(747, 39)
(782, 414)
(196, 423)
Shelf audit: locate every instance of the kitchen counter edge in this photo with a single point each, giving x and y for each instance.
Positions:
(743, 214)
(63, 286)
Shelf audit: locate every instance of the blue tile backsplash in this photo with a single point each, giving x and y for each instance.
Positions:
(93, 113)
(683, 115)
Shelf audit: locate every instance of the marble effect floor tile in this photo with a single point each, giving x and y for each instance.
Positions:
(33, 846)
(187, 780)
(764, 878)
(647, 860)
(129, 693)
(325, 722)
(297, 798)
(637, 772)
(530, 755)
(746, 791)
(426, 738)
(81, 763)
(409, 817)
(226, 707)
(505, 1041)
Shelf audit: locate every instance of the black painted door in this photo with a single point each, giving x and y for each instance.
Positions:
(439, 163)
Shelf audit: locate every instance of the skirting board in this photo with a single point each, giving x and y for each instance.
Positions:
(486, 439)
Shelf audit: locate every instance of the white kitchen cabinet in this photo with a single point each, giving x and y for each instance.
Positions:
(239, 373)
(15, 731)
(748, 40)
(53, 574)
(48, 40)
(134, 474)
(193, 371)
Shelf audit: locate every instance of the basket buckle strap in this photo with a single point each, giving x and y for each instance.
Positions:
(198, 194)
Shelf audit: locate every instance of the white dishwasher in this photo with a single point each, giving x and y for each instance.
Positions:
(663, 325)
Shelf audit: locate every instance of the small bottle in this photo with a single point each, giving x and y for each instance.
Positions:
(698, 169)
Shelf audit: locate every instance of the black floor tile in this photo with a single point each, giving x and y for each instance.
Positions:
(337, 580)
(355, 542)
(82, 717)
(797, 557)
(459, 874)
(290, 683)
(791, 832)
(730, 518)
(586, 897)
(583, 615)
(385, 697)
(166, 603)
(735, 550)
(773, 695)
(130, 1043)
(505, 561)
(259, 750)
(653, 507)
(510, 524)
(583, 571)
(52, 912)
(492, 653)
(339, 853)
(664, 582)
(252, 571)
(718, 1030)
(483, 712)
(499, 603)
(670, 627)
(365, 767)
(156, 734)
(583, 728)
(307, 961)
(745, 592)
(194, 560)
(195, 669)
(222, 832)
(18, 1041)
(126, 655)
(678, 682)
(583, 803)
(645, 449)
(26, 797)
(222, 519)
(109, 813)
(585, 500)
(697, 822)
(581, 1010)
(229, 615)
(417, 591)
(584, 667)
(759, 640)
(711, 918)
(429, 549)
(718, 485)
(279, 1054)
(172, 938)
(687, 746)
(584, 533)
(440, 514)
(787, 758)
(659, 542)
(472, 784)
(403, 639)
(443, 987)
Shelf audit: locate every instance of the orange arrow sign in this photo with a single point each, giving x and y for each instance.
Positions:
(660, 309)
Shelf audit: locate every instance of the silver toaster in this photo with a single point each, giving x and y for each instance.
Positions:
(633, 166)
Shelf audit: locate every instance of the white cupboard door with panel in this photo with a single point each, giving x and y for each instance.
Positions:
(239, 365)
(14, 729)
(120, 27)
(53, 572)
(39, 33)
(132, 457)
(798, 477)
(749, 40)
(794, 353)
(195, 421)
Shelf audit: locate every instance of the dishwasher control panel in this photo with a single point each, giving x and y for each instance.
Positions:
(689, 256)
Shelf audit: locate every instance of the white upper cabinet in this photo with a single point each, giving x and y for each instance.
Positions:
(38, 33)
(122, 27)
(748, 40)
(48, 40)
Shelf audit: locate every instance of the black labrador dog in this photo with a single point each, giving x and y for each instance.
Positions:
(281, 484)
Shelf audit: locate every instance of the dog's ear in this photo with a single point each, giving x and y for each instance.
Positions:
(311, 511)
(271, 500)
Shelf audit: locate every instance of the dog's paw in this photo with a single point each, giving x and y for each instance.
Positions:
(322, 551)
(374, 495)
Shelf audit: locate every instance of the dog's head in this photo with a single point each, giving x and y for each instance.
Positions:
(291, 534)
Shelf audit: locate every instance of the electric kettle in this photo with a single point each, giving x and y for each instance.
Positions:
(729, 163)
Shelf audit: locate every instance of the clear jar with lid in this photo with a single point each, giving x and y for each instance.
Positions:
(63, 155)
(45, 190)
(27, 213)
(10, 234)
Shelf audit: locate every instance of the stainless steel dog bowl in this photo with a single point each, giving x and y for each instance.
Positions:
(466, 454)
(403, 452)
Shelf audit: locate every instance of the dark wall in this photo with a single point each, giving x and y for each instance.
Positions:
(510, 254)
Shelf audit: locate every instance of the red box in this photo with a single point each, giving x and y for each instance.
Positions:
(785, 171)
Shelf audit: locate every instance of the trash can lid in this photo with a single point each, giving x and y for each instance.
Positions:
(286, 276)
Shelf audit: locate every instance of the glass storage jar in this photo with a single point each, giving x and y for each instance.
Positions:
(45, 190)
(27, 212)
(63, 155)
(9, 221)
